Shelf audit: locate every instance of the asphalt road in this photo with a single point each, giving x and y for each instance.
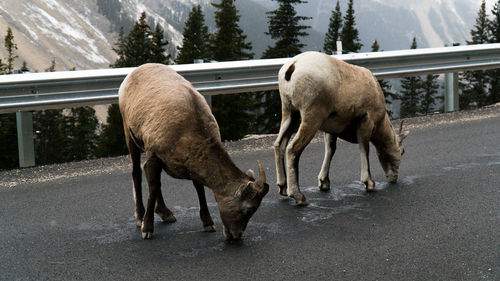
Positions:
(441, 221)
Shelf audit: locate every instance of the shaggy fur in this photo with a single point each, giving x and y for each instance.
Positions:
(167, 118)
(319, 92)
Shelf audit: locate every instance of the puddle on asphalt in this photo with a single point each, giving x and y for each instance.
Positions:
(322, 206)
(339, 200)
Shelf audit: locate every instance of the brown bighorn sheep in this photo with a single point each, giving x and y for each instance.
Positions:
(167, 118)
(319, 92)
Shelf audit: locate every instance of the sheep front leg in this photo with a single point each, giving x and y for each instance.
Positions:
(308, 127)
(365, 129)
(330, 147)
(152, 170)
(206, 219)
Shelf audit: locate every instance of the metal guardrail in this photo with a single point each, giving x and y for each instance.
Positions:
(34, 91)
(23, 93)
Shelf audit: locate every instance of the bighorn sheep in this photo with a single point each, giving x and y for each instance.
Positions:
(167, 118)
(319, 92)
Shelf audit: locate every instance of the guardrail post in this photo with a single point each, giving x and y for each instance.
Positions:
(451, 92)
(451, 89)
(339, 48)
(25, 141)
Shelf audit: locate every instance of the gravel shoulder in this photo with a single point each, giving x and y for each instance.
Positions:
(17, 177)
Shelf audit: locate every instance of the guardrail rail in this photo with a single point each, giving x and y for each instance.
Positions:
(23, 93)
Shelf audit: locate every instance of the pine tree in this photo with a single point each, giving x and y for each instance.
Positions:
(81, 126)
(111, 142)
(24, 67)
(375, 46)
(350, 34)
(228, 43)
(411, 93)
(10, 46)
(135, 48)
(195, 44)
(52, 66)
(480, 33)
(50, 140)
(495, 24)
(386, 87)
(159, 45)
(334, 29)
(9, 158)
(494, 75)
(8, 129)
(3, 67)
(475, 82)
(120, 50)
(430, 88)
(285, 28)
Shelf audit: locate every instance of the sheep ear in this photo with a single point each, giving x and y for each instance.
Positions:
(247, 191)
(403, 135)
(251, 174)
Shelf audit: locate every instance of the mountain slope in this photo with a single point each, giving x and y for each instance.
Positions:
(69, 31)
(75, 34)
(393, 23)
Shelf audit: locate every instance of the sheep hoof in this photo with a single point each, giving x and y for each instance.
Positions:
(169, 218)
(147, 235)
(165, 214)
(392, 179)
(370, 188)
(282, 190)
(300, 199)
(138, 222)
(209, 228)
(369, 185)
(324, 185)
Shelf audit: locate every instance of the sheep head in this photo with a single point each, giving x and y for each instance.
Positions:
(391, 158)
(237, 210)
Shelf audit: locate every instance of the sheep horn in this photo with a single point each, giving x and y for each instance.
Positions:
(261, 182)
(401, 126)
(262, 175)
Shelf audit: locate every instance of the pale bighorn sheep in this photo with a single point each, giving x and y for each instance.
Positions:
(167, 118)
(319, 92)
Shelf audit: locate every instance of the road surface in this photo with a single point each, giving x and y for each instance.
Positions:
(441, 221)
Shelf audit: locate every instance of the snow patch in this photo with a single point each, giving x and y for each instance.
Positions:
(68, 33)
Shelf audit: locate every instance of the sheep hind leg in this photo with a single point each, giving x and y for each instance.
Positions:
(365, 129)
(152, 170)
(289, 124)
(206, 219)
(330, 147)
(161, 209)
(135, 157)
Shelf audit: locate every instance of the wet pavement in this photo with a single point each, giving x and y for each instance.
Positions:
(441, 221)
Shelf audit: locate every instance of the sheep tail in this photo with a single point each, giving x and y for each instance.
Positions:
(289, 72)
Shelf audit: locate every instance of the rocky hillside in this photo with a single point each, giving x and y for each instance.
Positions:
(81, 33)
